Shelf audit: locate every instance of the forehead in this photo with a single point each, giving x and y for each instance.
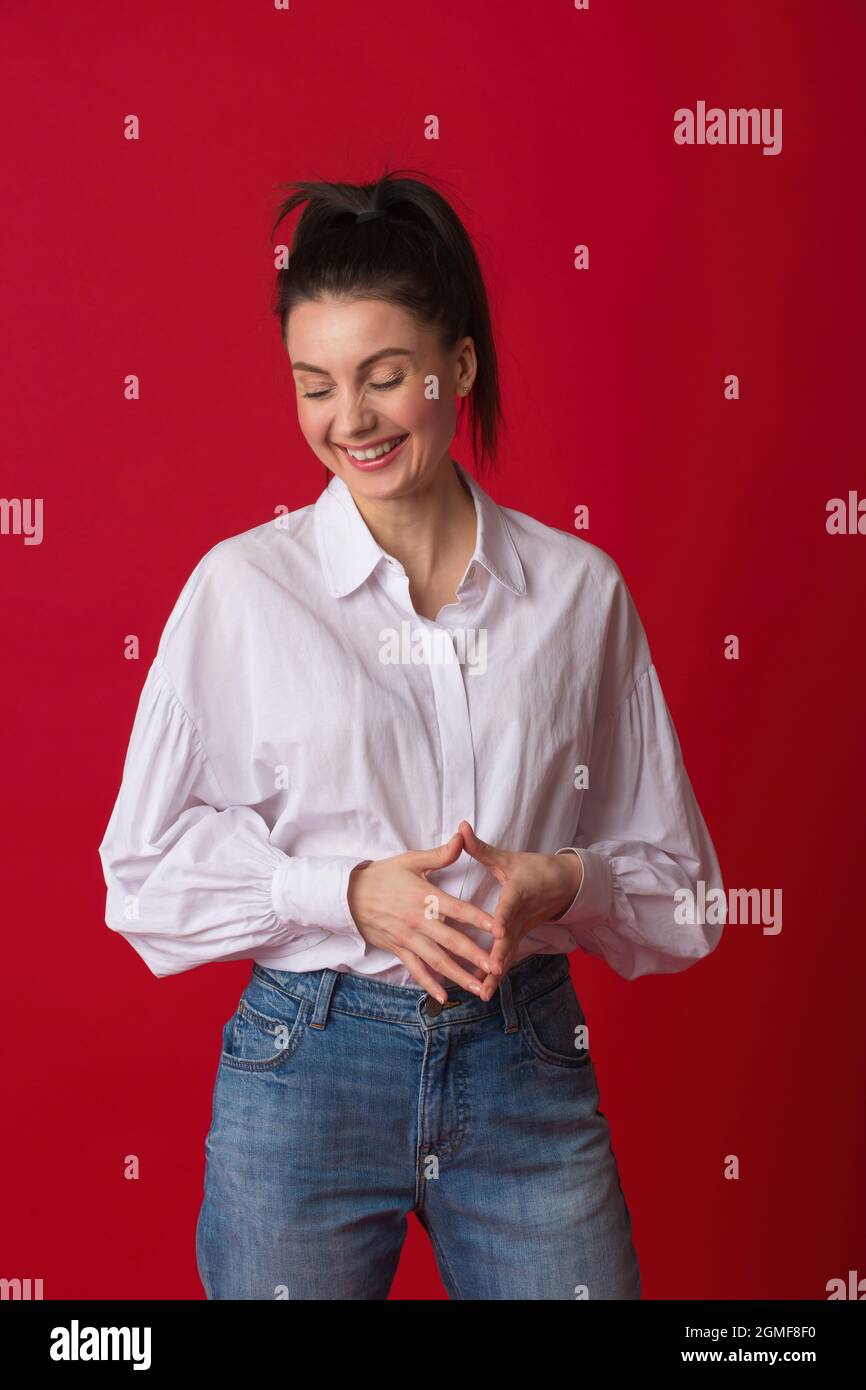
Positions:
(336, 332)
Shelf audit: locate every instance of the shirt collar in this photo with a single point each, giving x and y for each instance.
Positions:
(348, 551)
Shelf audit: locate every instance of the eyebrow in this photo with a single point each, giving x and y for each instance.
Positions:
(367, 362)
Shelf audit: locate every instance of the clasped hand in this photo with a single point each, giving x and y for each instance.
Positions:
(394, 906)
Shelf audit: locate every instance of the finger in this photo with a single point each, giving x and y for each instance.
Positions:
(421, 975)
(499, 954)
(422, 861)
(500, 958)
(489, 981)
(489, 986)
(441, 960)
(459, 944)
(503, 957)
(480, 849)
(507, 908)
(480, 974)
(464, 912)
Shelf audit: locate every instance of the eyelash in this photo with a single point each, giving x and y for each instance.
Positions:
(376, 385)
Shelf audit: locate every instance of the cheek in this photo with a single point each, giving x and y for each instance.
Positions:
(311, 424)
(430, 419)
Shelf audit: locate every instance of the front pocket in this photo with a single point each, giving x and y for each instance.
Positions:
(253, 1041)
(554, 1026)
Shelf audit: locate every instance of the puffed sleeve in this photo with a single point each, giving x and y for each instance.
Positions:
(191, 879)
(651, 900)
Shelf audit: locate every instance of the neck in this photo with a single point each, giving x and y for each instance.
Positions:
(425, 528)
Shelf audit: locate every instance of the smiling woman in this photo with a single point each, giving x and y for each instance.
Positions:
(394, 245)
(306, 790)
(394, 416)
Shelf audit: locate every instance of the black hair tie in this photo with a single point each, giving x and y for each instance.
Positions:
(369, 214)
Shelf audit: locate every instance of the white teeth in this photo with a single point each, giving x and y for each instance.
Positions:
(362, 455)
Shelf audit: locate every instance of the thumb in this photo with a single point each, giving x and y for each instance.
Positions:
(479, 849)
(423, 861)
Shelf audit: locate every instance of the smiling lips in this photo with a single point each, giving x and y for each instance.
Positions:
(374, 455)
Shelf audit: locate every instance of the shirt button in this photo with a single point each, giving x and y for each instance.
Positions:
(470, 573)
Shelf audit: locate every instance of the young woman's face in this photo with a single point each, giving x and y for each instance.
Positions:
(366, 375)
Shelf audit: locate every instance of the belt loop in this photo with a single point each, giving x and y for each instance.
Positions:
(506, 999)
(327, 980)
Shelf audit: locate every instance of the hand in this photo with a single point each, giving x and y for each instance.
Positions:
(395, 907)
(535, 888)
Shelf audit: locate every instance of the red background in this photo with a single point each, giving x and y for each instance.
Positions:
(153, 257)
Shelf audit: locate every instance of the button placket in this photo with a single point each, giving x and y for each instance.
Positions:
(455, 732)
(458, 757)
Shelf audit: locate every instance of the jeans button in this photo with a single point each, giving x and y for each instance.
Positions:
(432, 1007)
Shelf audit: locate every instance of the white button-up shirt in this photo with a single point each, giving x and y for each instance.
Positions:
(299, 718)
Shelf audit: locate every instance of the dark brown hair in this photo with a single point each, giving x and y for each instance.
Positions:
(418, 255)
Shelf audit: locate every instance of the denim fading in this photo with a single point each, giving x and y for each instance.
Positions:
(343, 1103)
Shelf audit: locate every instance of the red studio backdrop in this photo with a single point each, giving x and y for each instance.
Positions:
(706, 262)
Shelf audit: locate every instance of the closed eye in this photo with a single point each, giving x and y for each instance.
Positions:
(376, 385)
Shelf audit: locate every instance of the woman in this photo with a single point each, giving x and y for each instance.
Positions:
(343, 702)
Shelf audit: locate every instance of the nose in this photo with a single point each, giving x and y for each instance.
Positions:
(352, 417)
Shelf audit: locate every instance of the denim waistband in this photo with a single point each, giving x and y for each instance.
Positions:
(369, 998)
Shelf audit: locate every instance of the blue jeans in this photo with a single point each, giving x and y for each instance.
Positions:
(342, 1103)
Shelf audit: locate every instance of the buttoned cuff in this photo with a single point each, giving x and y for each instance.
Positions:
(312, 893)
(594, 898)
